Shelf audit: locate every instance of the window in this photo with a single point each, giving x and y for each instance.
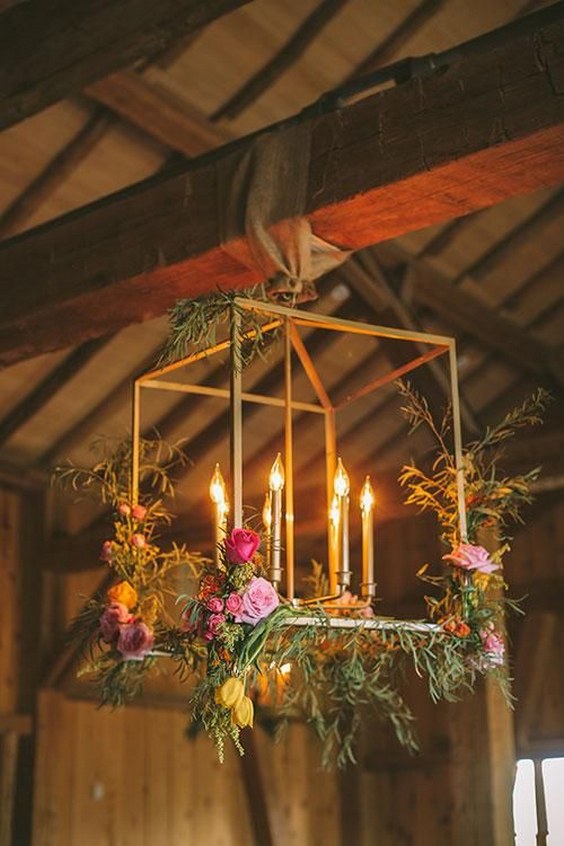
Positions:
(534, 780)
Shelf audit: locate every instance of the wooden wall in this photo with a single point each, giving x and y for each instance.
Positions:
(130, 778)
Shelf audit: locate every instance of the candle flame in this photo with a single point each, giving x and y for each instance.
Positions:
(276, 478)
(334, 511)
(341, 482)
(367, 496)
(218, 491)
(267, 512)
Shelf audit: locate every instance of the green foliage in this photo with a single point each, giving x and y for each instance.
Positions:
(194, 326)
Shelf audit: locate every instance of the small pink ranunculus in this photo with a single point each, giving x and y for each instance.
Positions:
(234, 603)
(106, 552)
(139, 512)
(493, 644)
(135, 640)
(241, 545)
(208, 635)
(215, 622)
(470, 557)
(215, 604)
(124, 509)
(139, 541)
(113, 617)
(258, 601)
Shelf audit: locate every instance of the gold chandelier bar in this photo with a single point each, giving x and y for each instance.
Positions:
(457, 434)
(236, 428)
(289, 460)
(368, 624)
(330, 467)
(393, 375)
(223, 393)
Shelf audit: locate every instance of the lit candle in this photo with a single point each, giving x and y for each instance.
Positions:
(368, 588)
(218, 495)
(334, 519)
(267, 523)
(341, 486)
(276, 484)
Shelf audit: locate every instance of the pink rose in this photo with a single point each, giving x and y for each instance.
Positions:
(139, 541)
(470, 557)
(135, 640)
(139, 512)
(241, 545)
(215, 604)
(208, 635)
(124, 509)
(259, 600)
(494, 645)
(234, 603)
(106, 552)
(113, 617)
(215, 622)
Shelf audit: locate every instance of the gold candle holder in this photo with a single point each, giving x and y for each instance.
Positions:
(341, 486)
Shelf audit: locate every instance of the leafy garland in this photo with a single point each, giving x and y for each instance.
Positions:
(238, 640)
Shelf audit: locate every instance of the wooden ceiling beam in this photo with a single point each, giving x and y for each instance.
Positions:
(158, 113)
(50, 51)
(288, 55)
(410, 156)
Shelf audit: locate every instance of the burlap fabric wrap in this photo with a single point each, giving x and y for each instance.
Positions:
(262, 195)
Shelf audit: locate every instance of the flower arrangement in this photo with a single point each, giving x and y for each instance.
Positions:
(248, 652)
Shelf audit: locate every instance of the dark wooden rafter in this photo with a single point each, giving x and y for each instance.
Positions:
(528, 228)
(365, 281)
(290, 53)
(158, 113)
(51, 51)
(366, 193)
(399, 37)
(465, 313)
(14, 218)
(49, 386)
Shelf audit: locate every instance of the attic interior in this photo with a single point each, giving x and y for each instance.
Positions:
(443, 178)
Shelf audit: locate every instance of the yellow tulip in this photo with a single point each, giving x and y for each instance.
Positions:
(124, 593)
(243, 713)
(230, 693)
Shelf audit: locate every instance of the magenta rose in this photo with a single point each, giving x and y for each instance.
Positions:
(234, 603)
(139, 512)
(241, 545)
(215, 604)
(106, 552)
(113, 617)
(470, 557)
(259, 600)
(215, 622)
(135, 640)
(139, 541)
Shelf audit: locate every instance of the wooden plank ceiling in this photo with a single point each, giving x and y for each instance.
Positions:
(492, 277)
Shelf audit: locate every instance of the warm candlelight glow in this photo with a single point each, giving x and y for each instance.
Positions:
(267, 512)
(367, 496)
(334, 511)
(218, 491)
(276, 478)
(341, 482)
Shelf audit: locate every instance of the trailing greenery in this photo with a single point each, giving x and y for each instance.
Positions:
(194, 326)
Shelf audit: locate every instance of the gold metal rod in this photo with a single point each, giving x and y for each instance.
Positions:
(135, 425)
(246, 396)
(394, 374)
(309, 368)
(198, 356)
(289, 461)
(236, 428)
(330, 466)
(457, 433)
(321, 321)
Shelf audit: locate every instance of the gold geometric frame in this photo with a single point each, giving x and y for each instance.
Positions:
(288, 320)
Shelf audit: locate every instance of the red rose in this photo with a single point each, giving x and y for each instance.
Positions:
(241, 545)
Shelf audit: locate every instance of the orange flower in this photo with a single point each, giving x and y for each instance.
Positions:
(124, 593)
(462, 629)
